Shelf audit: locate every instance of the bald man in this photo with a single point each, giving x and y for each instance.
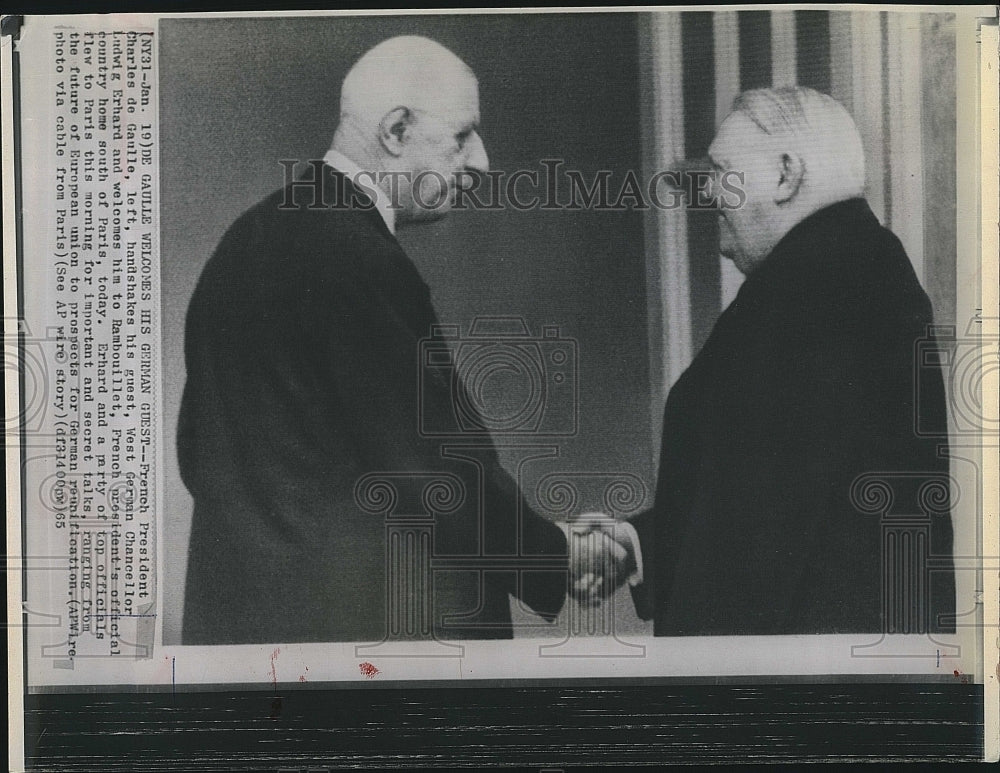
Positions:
(805, 385)
(302, 353)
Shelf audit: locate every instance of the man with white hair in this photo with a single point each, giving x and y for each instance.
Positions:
(805, 385)
(302, 345)
(799, 151)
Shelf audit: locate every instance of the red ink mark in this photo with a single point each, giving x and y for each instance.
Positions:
(274, 670)
(368, 670)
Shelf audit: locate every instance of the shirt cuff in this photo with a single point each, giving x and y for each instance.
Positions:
(629, 532)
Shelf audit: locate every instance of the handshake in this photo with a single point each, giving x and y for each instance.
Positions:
(603, 554)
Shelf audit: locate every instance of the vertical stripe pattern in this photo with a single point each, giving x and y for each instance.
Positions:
(699, 129)
(727, 86)
(812, 39)
(666, 230)
(904, 146)
(871, 62)
(784, 61)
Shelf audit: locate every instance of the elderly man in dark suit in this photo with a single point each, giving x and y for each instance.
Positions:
(804, 387)
(302, 347)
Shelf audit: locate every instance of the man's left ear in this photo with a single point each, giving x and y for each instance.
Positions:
(793, 170)
(393, 129)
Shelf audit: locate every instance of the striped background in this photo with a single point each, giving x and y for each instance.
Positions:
(895, 73)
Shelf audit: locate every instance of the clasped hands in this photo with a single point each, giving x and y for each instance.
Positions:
(601, 557)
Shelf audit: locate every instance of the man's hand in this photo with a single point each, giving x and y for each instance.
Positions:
(600, 559)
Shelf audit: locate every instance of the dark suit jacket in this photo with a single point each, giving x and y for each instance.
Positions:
(302, 370)
(805, 383)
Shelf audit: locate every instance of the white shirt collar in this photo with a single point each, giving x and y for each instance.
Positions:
(342, 163)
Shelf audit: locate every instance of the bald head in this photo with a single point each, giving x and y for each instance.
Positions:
(407, 71)
(411, 106)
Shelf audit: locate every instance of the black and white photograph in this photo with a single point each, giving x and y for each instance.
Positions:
(505, 347)
(433, 309)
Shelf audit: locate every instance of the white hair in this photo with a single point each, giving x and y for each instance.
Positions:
(819, 128)
(406, 71)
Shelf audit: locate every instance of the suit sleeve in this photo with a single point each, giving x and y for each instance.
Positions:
(370, 372)
(642, 593)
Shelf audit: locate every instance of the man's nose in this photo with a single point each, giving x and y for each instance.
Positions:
(477, 160)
